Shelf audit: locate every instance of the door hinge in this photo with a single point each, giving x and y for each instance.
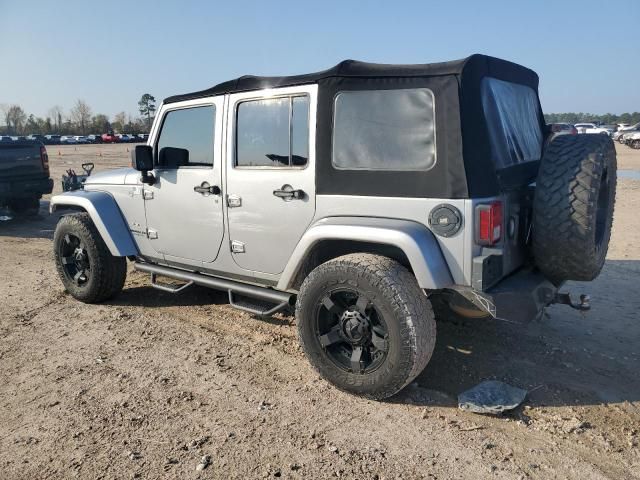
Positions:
(152, 234)
(147, 194)
(135, 191)
(234, 201)
(237, 246)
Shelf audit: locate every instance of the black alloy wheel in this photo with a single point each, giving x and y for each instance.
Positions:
(352, 331)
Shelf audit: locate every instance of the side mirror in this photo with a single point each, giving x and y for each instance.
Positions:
(171, 157)
(142, 160)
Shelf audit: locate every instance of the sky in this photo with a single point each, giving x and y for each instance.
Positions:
(109, 53)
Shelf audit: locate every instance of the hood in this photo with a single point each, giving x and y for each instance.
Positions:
(116, 176)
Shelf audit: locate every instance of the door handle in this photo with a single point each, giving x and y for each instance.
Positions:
(206, 189)
(287, 192)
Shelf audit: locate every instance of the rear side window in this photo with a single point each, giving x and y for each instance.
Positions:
(186, 138)
(511, 111)
(273, 132)
(384, 130)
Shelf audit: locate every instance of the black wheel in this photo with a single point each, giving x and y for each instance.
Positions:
(26, 206)
(88, 270)
(635, 144)
(365, 324)
(573, 207)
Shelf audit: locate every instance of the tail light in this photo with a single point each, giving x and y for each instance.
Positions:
(489, 223)
(44, 158)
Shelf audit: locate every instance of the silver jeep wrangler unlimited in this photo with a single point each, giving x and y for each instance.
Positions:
(376, 199)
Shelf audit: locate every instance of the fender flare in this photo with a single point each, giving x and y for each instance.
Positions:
(106, 216)
(415, 240)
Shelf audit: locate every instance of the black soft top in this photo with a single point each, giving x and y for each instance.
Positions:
(465, 166)
(476, 65)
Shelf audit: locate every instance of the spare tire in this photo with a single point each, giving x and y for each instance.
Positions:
(573, 207)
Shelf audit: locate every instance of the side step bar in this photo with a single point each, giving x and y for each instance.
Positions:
(281, 300)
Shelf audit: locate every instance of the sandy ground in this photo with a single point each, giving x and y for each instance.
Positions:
(147, 384)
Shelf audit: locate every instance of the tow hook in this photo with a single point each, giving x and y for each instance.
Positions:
(565, 299)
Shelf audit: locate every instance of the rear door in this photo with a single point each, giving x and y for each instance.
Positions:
(183, 207)
(270, 174)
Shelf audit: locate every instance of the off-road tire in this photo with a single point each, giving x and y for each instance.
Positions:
(406, 310)
(107, 273)
(29, 206)
(635, 145)
(573, 207)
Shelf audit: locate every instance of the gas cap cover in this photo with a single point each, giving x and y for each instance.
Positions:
(445, 220)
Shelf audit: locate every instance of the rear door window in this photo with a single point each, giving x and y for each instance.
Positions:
(512, 114)
(273, 132)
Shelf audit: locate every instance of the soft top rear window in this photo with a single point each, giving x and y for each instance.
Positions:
(511, 111)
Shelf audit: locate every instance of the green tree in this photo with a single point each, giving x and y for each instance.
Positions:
(147, 107)
(100, 123)
(81, 115)
(15, 118)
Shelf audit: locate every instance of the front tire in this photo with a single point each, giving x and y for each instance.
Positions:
(86, 267)
(365, 324)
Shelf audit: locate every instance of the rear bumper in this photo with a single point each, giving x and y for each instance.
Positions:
(26, 187)
(520, 297)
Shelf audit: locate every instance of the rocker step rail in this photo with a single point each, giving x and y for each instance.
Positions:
(279, 300)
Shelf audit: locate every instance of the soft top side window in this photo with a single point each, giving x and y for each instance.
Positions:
(186, 138)
(384, 130)
(273, 132)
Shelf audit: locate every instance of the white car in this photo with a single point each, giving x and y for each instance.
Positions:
(634, 140)
(81, 139)
(590, 128)
(68, 139)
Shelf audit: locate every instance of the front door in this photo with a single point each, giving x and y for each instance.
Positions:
(270, 191)
(184, 206)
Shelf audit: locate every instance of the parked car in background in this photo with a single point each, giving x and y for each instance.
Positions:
(591, 128)
(94, 138)
(18, 138)
(5, 138)
(52, 139)
(610, 128)
(109, 138)
(143, 137)
(68, 140)
(24, 175)
(557, 129)
(81, 139)
(626, 133)
(34, 137)
(634, 140)
(622, 125)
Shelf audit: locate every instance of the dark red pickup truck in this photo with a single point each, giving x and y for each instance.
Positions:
(24, 175)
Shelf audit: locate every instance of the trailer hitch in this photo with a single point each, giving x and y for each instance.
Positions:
(565, 299)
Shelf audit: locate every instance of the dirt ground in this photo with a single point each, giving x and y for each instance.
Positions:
(147, 384)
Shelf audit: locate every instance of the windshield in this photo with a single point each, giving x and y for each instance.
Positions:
(512, 114)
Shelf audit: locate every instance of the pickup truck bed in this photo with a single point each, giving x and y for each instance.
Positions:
(24, 174)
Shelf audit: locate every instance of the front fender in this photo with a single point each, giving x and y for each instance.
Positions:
(106, 216)
(415, 240)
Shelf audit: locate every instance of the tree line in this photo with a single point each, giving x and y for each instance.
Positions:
(79, 120)
(606, 119)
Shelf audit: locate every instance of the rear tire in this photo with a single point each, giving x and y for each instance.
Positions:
(370, 308)
(573, 207)
(86, 267)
